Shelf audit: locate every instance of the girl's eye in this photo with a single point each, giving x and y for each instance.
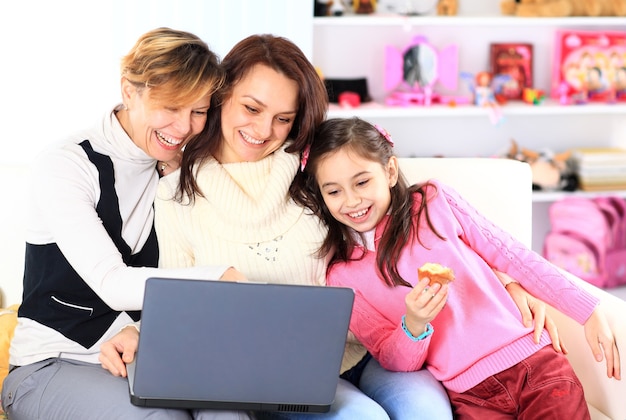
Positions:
(251, 110)
(201, 113)
(362, 183)
(331, 192)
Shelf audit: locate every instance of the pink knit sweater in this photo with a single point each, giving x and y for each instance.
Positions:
(479, 332)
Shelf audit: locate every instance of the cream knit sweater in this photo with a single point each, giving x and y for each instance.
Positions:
(247, 220)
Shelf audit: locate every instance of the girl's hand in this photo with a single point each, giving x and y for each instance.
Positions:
(602, 342)
(423, 303)
(533, 309)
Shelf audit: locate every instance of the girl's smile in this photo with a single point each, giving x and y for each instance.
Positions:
(356, 190)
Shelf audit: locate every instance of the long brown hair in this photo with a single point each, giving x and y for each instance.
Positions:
(286, 58)
(366, 141)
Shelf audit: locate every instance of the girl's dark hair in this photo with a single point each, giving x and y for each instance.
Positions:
(366, 141)
(286, 58)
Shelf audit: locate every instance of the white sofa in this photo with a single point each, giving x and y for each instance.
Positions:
(500, 188)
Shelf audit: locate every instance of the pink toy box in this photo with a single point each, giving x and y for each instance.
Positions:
(589, 66)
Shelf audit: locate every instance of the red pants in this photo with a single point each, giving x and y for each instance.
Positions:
(544, 386)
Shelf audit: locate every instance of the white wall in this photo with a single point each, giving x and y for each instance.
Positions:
(60, 59)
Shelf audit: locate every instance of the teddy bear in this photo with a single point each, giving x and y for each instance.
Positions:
(562, 8)
(447, 7)
(604, 7)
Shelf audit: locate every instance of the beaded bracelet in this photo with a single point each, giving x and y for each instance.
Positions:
(429, 331)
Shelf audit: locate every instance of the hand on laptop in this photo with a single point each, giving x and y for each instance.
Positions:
(119, 350)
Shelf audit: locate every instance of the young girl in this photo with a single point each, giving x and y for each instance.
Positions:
(467, 333)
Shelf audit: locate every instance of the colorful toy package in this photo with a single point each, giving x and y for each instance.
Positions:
(589, 66)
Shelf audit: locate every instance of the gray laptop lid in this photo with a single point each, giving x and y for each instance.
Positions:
(243, 346)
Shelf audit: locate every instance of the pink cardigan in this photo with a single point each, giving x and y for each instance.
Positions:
(479, 332)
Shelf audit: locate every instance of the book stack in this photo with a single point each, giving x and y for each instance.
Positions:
(600, 169)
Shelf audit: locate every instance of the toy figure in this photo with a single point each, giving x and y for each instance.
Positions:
(483, 92)
(483, 87)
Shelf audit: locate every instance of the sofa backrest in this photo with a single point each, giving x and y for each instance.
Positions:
(501, 189)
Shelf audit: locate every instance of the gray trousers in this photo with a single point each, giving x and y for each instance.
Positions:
(62, 389)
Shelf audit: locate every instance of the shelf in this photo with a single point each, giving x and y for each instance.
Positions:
(547, 108)
(550, 196)
(466, 130)
(495, 20)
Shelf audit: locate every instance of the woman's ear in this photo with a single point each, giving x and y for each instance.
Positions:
(392, 171)
(128, 89)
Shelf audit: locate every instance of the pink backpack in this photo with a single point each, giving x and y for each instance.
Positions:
(588, 239)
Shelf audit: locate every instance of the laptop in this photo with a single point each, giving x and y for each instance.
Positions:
(239, 346)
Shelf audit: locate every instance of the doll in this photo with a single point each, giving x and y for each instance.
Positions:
(483, 87)
(483, 92)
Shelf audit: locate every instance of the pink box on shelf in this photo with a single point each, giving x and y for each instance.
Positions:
(589, 66)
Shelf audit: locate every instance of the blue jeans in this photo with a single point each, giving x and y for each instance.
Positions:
(406, 395)
(383, 395)
(350, 404)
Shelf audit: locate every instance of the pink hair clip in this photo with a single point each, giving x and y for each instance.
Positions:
(384, 133)
(305, 157)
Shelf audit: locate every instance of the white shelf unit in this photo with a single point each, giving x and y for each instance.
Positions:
(353, 46)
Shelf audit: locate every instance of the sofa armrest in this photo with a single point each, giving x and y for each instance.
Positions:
(602, 394)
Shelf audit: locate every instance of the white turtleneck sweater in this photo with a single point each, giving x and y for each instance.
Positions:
(246, 219)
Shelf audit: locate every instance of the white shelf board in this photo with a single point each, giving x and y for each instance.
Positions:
(495, 20)
(549, 196)
(548, 107)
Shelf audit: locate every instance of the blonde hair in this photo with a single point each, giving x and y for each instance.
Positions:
(177, 66)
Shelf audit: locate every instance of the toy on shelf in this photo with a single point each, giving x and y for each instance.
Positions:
(550, 171)
(563, 8)
(589, 66)
(516, 60)
(484, 87)
(364, 7)
(349, 99)
(447, 7)
(411, 74)
(328, 8)
(533, 96)
(537, 8)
